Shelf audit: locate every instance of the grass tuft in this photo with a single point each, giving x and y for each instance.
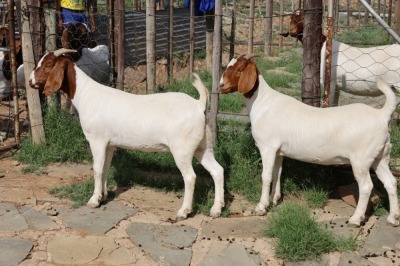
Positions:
(299, 237)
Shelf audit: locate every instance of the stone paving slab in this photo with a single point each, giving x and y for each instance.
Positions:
(10, 218)
(73, 250)
(99, 220)
(14, 250)
(37, 220)
(383, 237)
(231, 254)
(230, 227)
(170, 245)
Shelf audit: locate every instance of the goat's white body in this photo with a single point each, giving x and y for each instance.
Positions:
(355, 134)
(95, 63)
(5, 84)
(172, 122)
(355, 70)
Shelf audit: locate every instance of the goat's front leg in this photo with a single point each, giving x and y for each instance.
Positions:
(268, 162)
(207, 159)
(99, 160)
(382, 170)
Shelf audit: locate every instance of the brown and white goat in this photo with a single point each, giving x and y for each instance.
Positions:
(111, 119)
(355, 134)
(296, 26)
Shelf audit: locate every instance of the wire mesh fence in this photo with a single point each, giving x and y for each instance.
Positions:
(352, 25)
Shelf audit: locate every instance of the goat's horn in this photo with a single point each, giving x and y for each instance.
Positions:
(250, 56)
(64, 51)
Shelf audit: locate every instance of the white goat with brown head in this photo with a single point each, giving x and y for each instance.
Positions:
(354, 134)
(111, 118)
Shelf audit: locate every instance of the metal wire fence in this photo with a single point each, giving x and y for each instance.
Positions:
(352, 25)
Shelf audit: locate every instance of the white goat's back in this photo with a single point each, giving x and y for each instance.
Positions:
(355, 70)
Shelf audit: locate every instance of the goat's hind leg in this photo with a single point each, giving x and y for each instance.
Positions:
(184, 163)
(363, 178)
(102, 157)
(381, 167)
(276, 180)
(207, 159)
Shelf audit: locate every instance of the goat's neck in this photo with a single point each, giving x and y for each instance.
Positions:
(84, 88)
(260, 94)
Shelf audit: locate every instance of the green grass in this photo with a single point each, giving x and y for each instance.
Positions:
(299, 236)
(65, 141)
(316, 197)
(371, 33)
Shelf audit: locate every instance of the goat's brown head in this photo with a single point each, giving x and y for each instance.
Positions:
(55, 72)
(296, 26)
(240, 75)
(76, 36)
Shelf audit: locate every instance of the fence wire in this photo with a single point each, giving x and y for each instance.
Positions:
(352, 26)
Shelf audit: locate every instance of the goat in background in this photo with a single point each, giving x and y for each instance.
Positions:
(356, 134)
(354, 70)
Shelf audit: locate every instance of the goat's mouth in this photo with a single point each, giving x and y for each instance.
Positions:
(34, 86)
(226, 88)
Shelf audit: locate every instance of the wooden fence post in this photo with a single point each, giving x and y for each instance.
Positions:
(35, 111)
(251, 28)
(170, 55)
(216, 69)
(281, 9)
(151, 45)
(311, 88)
(233, 32)
(11, 38)
(191, 39)
(120, 30)
(268, 28)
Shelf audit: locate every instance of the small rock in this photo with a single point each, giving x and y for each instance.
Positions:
(52, 212)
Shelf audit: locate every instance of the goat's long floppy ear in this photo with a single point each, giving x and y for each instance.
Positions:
(56, 77)
(248, 78)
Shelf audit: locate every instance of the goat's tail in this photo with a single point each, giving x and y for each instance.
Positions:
(391, 100)
(203, 91)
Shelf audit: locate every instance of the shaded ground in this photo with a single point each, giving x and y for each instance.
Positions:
(138, 228)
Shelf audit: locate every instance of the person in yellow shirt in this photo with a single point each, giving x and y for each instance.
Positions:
(75, 11)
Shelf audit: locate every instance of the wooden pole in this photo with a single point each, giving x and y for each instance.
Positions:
(111, 30)
(51, 26)
(216, 69)
(35, 111)
(170, 55)
(209, 38)
(251, 28)
(233, 32)
(311, 88)
(268, 28)
(191, 39)
(11, 38)
(151, 45)
(396, 26)
(281, 9)
(328, 59)
(120, 29)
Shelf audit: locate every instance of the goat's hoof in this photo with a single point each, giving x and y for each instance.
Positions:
(215, 212)
(92, 206)
(183, 214)
(93, 203)
(353, 222)
(393, 221)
